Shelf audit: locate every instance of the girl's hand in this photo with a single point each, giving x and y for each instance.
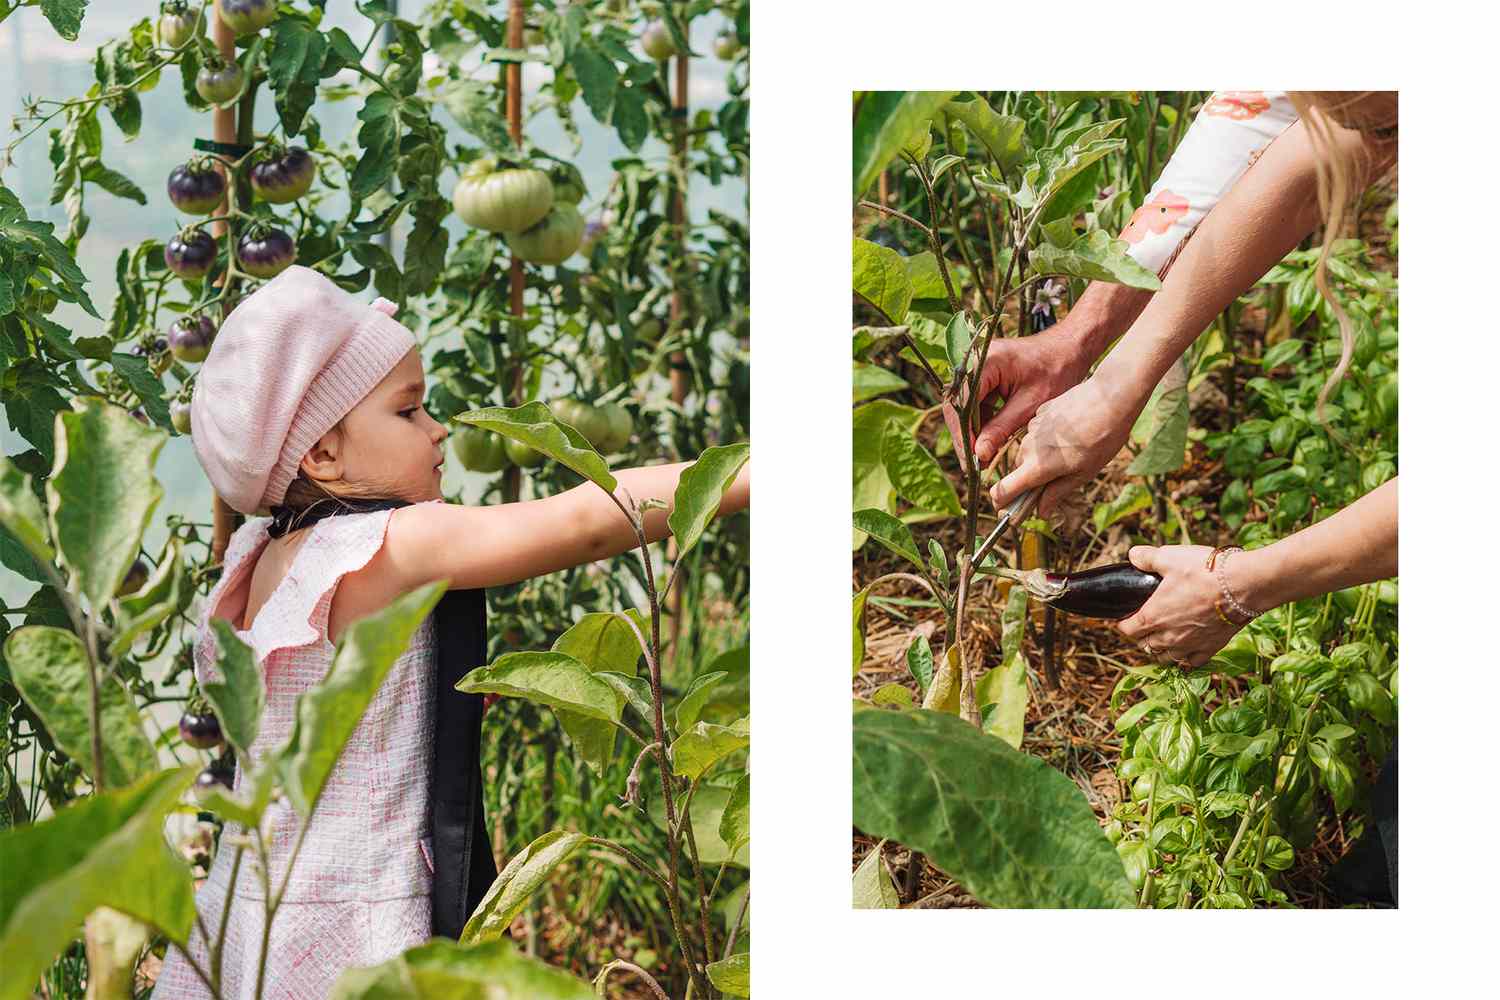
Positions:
(1180, 622)
(1069, 440)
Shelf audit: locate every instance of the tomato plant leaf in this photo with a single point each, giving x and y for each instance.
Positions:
(145, 383)
(328, 713)
(705, 744)
(66, 16)
(1012, 830)
(58, 870)
(444, 968)
(874, 889)
(883, 122)
(534, 425)
(1094, 256)
(889, 532)
(21, 512)
(880, 279)
(102, 492)
(731, 975)
(700, 490)
(51, 671)
(377, 137)
(524, 875)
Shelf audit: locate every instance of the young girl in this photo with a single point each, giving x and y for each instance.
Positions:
(310, 406)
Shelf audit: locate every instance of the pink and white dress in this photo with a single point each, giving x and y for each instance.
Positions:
(360, 893)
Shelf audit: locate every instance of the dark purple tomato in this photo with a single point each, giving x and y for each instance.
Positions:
(244, 16)
(190, 338)
(285, 178)
(201, 732)
(214, 779)
(196, 188)
(135, 577)
(266, 253)
(191, 253)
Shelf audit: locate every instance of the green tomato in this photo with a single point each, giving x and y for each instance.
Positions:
(523, 455)
(657, 42)
(727, 45)
(218, 84)
(583, 418)
(479, 450)
(552, 240)
(502, 201)
(619, 427)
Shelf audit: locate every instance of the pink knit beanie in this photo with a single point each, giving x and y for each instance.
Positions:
(292, 359)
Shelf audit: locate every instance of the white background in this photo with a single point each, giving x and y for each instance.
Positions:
(806, 59)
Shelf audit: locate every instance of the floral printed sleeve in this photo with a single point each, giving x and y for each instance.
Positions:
(1229, 134)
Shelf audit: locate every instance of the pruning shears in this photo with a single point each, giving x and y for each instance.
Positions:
(1018, 509)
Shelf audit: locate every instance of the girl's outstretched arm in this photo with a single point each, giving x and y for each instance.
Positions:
(507, 543)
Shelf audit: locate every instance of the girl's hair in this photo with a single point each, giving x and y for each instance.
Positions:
(1341, 175)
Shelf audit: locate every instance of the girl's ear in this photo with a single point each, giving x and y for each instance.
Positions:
(322, 463)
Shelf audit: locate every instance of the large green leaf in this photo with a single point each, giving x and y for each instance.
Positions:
(521, 877)
(889, 532)
(872, 484)
(1133, 497)
(880, 279)
(240, 697)
(534, 425)
(1004, 136)
(552, 679)
(916, 474)
(710, 803)
(925, 277)
(21, 513)
(700, 490)
(1095, 256)
(873, 887)
(101, 850)
(50, 668)
(102, 492)
(1072, 152)
(445, 970)
(872, 380)
(328, 714)
(734, 825)
(884, 122)
(603, 643)
(731, 975)
(1163, 427)
(698, 692)
(1011, 829)
(1003, 690)
(705, 744)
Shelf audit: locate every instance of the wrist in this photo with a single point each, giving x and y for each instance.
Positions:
(1253, 580)
(1101, 316)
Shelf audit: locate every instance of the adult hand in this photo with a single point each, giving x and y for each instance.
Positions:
(1025, 372)
(1069, 440)
(1180, 623)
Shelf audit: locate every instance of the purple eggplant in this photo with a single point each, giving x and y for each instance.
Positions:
(1114, 591)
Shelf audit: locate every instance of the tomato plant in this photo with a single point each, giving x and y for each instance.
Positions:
(983, 216)
(615, 294)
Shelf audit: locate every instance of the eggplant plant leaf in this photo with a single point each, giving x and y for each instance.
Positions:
(880, 279)
(1094, 256)
(915, 474)
(444, 968)
(705, 744)
(872, 483)
(860, 599)
(872, 380)
(874, 888)
(59, 870)
(889, 532)
(1003, 136)
(884, 121)
(1011, 829)
(731, 975)
(51, 671)
(522, 876)
(734, 825)
(552, 679)
(700, 490)
(534, 425)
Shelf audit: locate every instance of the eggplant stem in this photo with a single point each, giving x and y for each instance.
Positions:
(1034, 581)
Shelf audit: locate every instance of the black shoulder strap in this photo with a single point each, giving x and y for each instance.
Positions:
(463, 862)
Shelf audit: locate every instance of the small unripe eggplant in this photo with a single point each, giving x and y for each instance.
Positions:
(1114, 591)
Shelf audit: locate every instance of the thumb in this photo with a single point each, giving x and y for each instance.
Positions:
(1143, 557)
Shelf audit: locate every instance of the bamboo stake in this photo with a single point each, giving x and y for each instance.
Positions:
(516, 39)
(678, 214)
(226, 519)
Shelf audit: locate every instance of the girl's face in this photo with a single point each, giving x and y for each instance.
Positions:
(387, 442)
